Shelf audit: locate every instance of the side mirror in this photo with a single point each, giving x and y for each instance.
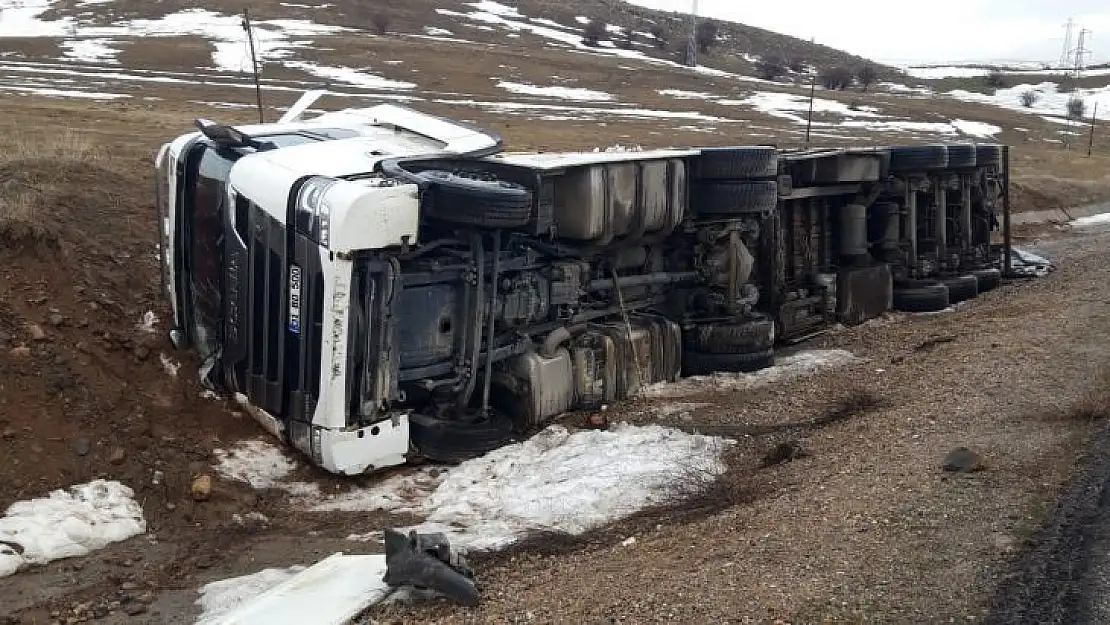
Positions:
(223, 135)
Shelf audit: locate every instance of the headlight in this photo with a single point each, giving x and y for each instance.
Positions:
(313, 216)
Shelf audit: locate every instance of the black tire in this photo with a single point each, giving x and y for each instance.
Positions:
(731, 338)
(961, 155)
(961, 288)
(918, 157)
(472, 202)
(926, 298)
(737, 163)
(736, 197)
(698, 363)
(988, 154)
(453, 441)
(989, 279)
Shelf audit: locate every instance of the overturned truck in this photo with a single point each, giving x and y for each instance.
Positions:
(380, 285)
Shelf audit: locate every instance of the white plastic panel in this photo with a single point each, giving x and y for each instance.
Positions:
(331, 592)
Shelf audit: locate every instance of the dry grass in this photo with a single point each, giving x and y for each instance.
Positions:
(1094, 405)
(35, 177)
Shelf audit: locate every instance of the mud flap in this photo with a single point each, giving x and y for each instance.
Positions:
(426, 561)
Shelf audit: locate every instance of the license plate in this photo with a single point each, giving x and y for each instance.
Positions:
(294, 299)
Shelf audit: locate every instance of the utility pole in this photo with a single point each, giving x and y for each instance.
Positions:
(254, 63)
(1065, 56)
(1091, 140)
(812, 91)
(692, 42)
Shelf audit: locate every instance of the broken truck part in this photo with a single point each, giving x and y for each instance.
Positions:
(380, 285)
(427, 562)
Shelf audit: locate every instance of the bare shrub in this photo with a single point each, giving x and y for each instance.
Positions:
(627, 39)
(380, 23)
(1029, 98)
(995, 79)
(706, 35)
(837, 78)
(1091, 406)
(1077, 108)
(594, 31)
(770, 67)
(867, 75)
(796, 64)
(660, 34)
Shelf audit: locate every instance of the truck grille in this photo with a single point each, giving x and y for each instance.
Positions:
(276, 340)
(266, 312)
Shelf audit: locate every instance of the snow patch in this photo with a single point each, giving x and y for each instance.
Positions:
(350, 76)
(496, 8)
(1050, 100)
(68, 523)
(946, 71)
(681, 94)
(97, 50)
(554, 481)
(563, 93)
(585, 113)
(262, 465)
(982, 130)
(170, 365)
(64, 93)
(1091, 220)
(784, 105)
(786, 367)
(147, 322)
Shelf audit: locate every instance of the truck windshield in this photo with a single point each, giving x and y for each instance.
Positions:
(206, 191)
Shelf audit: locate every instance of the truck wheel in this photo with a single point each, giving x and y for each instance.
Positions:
(918, 157)
(731, 338)
(961, 288)
(737, 163)
(698, 363)
(736, 197)
(452, 441)
(925, 298)
(987, 154)
(988, 278)
(961, 155)
(469, 201)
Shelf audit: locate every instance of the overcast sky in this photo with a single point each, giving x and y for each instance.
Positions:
(934, 31)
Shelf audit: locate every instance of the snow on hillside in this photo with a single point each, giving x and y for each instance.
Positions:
(937, 72)
(1050, 101)
(88, 51)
